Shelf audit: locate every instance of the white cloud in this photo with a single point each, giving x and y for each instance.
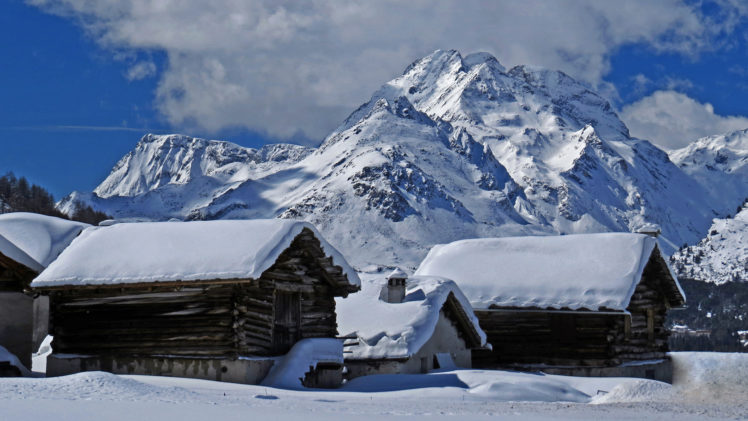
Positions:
(672, 120)
(141, 70)
(678, 84)
(291, 66)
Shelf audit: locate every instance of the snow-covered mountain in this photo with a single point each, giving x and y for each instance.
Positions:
(456, 147)
(561, 142)
(722, 256)
(720, 164)
(389, 186)
(174, 175)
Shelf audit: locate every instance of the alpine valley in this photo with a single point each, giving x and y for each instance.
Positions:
(456, 147)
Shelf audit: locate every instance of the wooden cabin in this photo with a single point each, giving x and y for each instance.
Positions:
(406, 326)
(28, 242)
(590, 304)
(219, 300)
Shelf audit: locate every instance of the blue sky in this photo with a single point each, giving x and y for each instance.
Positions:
(82, 81)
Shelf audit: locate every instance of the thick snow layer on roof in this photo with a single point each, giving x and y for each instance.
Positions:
(589, 271)
(396, 330)
(10, 250)
(178, 251)
(40, 237)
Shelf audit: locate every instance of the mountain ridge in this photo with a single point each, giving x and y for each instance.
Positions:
(456, 147)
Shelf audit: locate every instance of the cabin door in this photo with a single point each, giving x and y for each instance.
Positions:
(287, 321)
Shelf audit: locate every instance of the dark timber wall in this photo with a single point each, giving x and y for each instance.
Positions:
(16, 309)
(294, 299)
(522, 336)
(14, 277)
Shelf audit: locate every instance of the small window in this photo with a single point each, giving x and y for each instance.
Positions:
(424, 365)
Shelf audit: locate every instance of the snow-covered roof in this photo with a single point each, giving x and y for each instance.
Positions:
(38, 238)
(179, 251)
(583, 271)
(12, 251)
(397, 274)
(397, 330)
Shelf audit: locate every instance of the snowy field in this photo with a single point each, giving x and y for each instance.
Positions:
(708, 386)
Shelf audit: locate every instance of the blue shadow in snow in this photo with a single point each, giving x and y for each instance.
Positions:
(395, 382)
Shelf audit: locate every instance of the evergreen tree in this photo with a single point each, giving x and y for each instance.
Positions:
(18, 195)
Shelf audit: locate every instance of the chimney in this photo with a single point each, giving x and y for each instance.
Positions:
(652, 230)
(394, 291)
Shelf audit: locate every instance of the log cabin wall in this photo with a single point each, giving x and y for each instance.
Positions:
(180, 321)
(302, 270)
(213, 318)
(16, 309)
(526, 337)
(583, 338)
(644, 336)
(14, 277)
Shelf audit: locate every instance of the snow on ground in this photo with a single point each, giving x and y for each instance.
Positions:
(711, 386)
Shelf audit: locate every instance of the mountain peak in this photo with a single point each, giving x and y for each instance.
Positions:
(475, 59)
(719, 163)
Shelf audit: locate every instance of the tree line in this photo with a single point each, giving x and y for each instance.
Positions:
(17, 194)
(721, 310)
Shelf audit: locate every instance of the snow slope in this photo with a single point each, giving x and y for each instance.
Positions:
(457, 147)
(178, 251)
(721, 256)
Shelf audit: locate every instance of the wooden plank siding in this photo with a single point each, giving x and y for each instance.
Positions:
(14, 277)
(527, 336)
(202, 318)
